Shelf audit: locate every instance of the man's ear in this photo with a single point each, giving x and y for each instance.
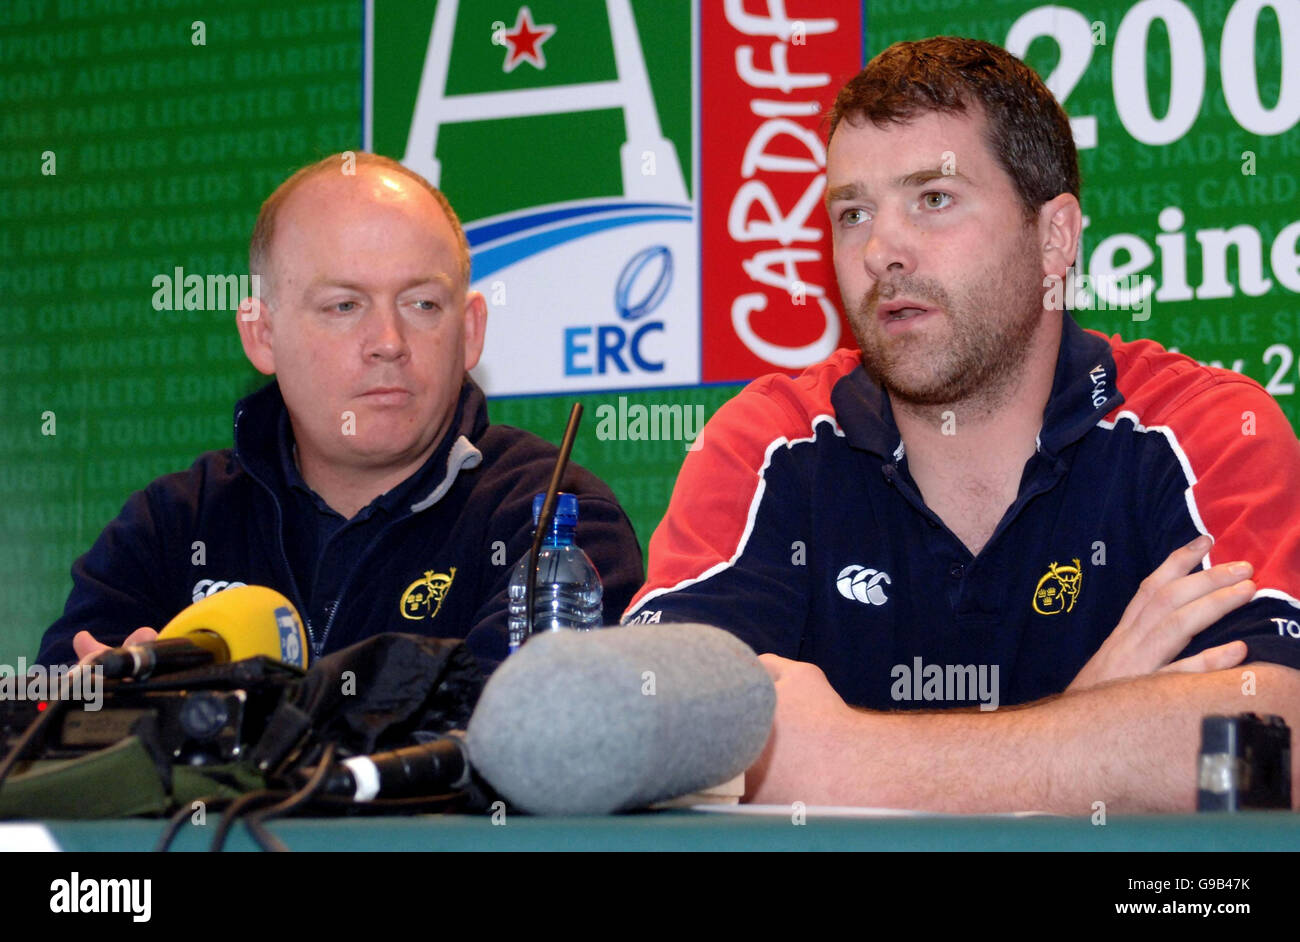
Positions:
(475, 327)
(254, 322)
(1060, 220)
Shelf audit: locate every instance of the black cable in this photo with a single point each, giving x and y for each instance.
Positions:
(34, 733)
(178, 818)
(256, 822)
(264, 839)
(272, 844)
(238, 807)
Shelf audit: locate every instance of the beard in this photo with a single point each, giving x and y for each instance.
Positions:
(977, 346)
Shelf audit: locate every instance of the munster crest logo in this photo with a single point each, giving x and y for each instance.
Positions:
(423, 597)
(1058, 590)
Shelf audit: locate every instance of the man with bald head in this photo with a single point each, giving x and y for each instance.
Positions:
(366, 482)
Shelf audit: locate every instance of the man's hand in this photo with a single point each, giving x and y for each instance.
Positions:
(811, 718)
(87, 648)
(1171, 607)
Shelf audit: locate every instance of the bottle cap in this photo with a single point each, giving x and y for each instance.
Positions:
(566, 509)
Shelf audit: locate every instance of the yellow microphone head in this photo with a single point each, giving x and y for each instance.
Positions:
(252, 620)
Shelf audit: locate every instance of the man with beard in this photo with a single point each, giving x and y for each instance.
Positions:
(985, 505)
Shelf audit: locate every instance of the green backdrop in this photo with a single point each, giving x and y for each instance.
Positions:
(131, 148)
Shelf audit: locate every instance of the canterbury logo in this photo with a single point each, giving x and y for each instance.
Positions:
(205, 587)
(865, 585)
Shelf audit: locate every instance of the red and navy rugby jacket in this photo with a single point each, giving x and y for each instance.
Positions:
(797, 526)
(433, 556)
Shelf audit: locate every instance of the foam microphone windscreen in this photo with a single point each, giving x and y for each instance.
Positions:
(253, 620)
(620, 718)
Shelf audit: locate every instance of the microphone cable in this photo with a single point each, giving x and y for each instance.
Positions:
(33, 735)
(288, 802)
(310, 794)
(177, 820)
(255, 822)
(244, 803)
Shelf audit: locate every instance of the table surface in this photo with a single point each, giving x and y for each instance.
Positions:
(693, 830)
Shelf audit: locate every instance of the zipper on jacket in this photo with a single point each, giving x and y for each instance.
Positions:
(343, 589)
(284, 558)
(406, 515)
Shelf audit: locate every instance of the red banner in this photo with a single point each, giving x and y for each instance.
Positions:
(769, 71)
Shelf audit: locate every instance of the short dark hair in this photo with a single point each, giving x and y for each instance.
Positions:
(259, 246)
(1027, 130)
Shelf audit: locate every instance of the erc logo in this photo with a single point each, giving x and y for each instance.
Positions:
(423, 597)
(1058, 590)
(865, 585)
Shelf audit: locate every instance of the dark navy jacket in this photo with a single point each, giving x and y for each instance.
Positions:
(432, 556)
(797, 526)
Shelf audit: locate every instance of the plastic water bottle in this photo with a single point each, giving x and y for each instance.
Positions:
(568, 586)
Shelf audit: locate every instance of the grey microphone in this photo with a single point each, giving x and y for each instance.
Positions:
(592, 722)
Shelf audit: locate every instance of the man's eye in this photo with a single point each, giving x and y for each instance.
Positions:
(426, 305)
(851, 217)
(936, 200)
(344, 307)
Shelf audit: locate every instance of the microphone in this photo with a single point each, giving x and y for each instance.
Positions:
(431, 768)
(587, 723)
(233, 625)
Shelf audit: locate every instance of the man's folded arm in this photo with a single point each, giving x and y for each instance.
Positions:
(1130, 744)
(1243, 482)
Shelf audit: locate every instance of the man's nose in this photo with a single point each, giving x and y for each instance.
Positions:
(890, 248)
(385, 337)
